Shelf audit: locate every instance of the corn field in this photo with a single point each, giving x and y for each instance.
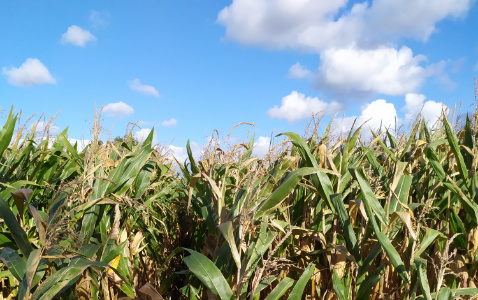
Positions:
(321, 216)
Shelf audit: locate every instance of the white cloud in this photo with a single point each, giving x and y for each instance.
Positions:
(380, 114)
(349, 37)
(383, 114)
(136, 85)
(181, 154)
(143, 133)
(77, 36)
(118, 109)
(318, 25)
(31, 72)
(409, 18)
(261, 146)
(277, 23)
(298, 71)
(415, 105)
(81, 144)
(297, 106)
(382, 70)
(170, 123)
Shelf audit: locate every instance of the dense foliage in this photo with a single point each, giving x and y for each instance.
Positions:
(320, 216)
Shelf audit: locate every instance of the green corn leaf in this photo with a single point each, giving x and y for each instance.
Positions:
(435, 163)
(228, 233)
(142, 181)
(470, 206)
(18, 234)
(281, 289)
(124, 176)
(290, 182)
(208, 274)
(321, 180)
(6, 133)
(428, 239)
(149, 139)
(393, 142)
(15, 264)
(385, 148)
(384, 240)
(453, 141)
(465, 292)
(31, 268)
(402, 191)
(411, 139)
(420, 265)
(339, 287)
(445, 294)
(255, 252)
(299, 287)
(350, 142)
(368, 195)
(367, 263)
(262, 285)
(367, 285)
(194, 166)
(348, 231)
(456, 226)
(63, 278)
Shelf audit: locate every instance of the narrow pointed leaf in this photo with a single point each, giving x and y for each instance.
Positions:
(299, 287)
(208, 274)
(281, 289)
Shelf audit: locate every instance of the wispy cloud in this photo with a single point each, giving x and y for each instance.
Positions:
(31, 72)
(99, 19)
(136, 85)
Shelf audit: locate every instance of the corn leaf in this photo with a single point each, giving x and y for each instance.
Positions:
(208, 274)
(15, 264)
(18, 233)
(367, 285)
(299, 286)
(283, 286)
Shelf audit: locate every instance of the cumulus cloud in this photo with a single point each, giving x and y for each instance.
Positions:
(298, 71)
(297, 106)
(170, 123)
(380, 114)
(318, 25)
(136, 85)
(261, 146)
(142, 134)
(118, 109)
(415, 105)
(181, 154)
(31, 72)
(416, 19)
(382, 70)
(342, 32)
(77, 36)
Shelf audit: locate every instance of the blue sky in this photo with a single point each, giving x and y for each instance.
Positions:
(189, 67)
